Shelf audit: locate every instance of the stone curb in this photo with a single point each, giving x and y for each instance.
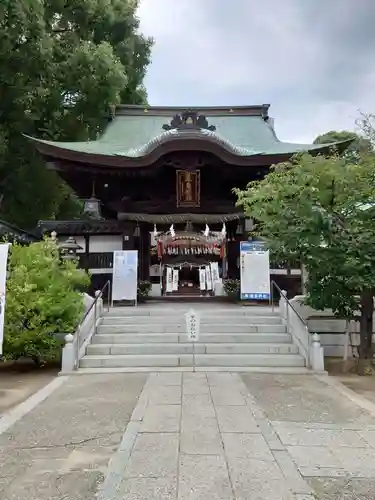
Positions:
(12, 416)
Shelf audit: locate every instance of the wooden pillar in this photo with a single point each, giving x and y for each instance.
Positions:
(144, 253)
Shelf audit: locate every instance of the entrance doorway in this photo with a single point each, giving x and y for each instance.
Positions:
(184, 278)
(190, 263)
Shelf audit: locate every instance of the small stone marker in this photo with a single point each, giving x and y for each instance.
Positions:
(192, 329)
(192, 325)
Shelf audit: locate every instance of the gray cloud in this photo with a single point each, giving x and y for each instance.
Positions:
(312, 60)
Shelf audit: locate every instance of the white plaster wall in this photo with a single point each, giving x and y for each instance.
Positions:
(155, 290)
(105, 243)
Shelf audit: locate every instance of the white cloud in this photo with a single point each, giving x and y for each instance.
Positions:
(311, 61)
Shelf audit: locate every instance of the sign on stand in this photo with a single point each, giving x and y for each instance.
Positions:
(192, 329)
(125, 275)
(255, 271)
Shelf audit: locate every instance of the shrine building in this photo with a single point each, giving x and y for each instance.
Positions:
(160, 180)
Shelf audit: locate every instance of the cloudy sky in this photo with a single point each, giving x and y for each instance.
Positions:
(312, 60)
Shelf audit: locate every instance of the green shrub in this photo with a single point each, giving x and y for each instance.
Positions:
(232, 288)
(42, 299)
(143, 290)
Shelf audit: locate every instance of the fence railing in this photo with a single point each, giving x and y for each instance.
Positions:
(308, 345)
(75, 345)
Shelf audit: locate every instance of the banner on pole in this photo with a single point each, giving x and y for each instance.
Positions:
(125, 275)
(255, 271)
(175, 279)
(202, 278)
(215, 273)
(169, 280)
(4, 250)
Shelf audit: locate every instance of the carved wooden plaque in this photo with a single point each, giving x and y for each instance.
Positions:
(188, 188)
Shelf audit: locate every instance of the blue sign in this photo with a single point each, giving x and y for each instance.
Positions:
(255, 296)
(252, 246)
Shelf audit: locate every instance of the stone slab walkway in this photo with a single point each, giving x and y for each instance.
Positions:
(191, 436)
(61, 448)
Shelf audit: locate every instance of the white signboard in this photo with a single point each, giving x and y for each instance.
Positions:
(255, 271)
(4, 248)
(192, 325)
(125, 275)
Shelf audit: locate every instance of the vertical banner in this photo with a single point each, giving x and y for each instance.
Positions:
(202, 278)
(215, 272)
(175, 277)
(255, 271)
(208, 278)
(125, 275)
(169, 280)
(4, 249)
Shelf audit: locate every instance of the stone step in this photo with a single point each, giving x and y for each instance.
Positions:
(206, 338)
(224, 310)
(188, 348)
(174, 319)
(164, 360)
(276, 370)
(181, 328)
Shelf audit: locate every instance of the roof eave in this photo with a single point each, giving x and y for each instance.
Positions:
(224, 151)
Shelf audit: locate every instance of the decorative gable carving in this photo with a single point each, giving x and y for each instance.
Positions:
(189, 120)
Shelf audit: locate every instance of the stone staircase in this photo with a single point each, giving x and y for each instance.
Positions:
(153, 337)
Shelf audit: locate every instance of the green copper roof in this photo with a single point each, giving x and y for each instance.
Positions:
(134, 136)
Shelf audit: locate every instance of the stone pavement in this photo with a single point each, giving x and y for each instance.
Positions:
(266, 437)
(192, 436)
(60, 450)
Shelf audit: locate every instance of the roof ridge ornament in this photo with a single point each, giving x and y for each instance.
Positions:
(189, 120)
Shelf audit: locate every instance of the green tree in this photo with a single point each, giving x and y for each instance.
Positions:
(321, 211)
(63, 65)
(42, 299)
(359, 143)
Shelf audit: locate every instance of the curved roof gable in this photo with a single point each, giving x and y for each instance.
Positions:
(135, 133)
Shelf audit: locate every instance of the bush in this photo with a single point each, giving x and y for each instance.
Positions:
(143, 290)
(232, 288)
(42, 299)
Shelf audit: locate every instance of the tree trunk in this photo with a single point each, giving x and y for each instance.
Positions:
(366, 327)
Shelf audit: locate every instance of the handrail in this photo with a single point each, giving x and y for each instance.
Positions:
(303, 340)
(78, 329)
(273, 283)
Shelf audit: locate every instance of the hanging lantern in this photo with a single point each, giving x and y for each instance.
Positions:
(91, 207)
(137, 231)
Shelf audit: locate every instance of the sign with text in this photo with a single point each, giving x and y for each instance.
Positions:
(192, 325)
(125, 275)
(4, 250)
(188, 188)
(255, 271)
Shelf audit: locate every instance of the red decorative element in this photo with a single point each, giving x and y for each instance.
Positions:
(160, 249)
